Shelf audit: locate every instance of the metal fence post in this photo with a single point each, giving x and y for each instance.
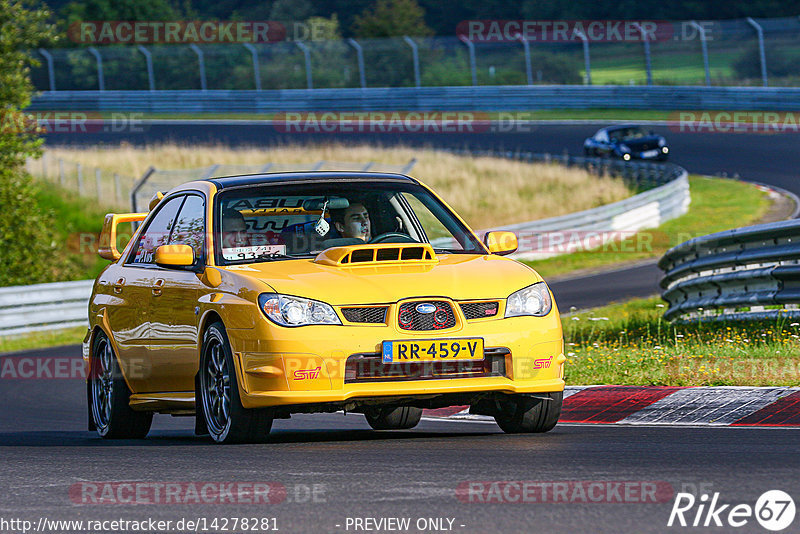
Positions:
(704, 46)
(415, 56)
(101, 83)
(472, 66)
(51, 72)
(148, 59)
(44, 165)
(646, 43)
(135, 189)
(528, 69)
(80, 179)
(98, 178)
(61, 172)
(256, 67)
(201, 64)
(586, 61)
(761, 53)
(360, 56)
(307, 55)
(117, 189)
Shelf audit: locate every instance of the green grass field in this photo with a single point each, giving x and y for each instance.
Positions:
(630, 343)
(717, 204)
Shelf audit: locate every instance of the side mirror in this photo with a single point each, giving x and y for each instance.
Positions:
(501, 243)
(175, 256)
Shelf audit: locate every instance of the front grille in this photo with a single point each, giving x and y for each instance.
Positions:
(371, 314)
(479, 310)
(409, 318)
(369, 367)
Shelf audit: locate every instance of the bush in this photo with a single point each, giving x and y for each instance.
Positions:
(778, 63)
(28, 248)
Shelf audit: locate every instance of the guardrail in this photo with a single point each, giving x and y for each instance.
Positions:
(478, 98)
(744, 273)
(65, 304)
(44, 307)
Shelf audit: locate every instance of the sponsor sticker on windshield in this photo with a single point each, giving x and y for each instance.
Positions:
(251, 253)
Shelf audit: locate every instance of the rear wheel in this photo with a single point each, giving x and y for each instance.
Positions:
(401, 418)
(529, 414)
(226, 419)
(110, 397)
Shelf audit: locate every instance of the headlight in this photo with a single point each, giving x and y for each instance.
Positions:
(533, 300)
(295, 311)
(625, 149)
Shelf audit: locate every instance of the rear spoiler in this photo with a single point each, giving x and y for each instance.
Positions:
(108, 237)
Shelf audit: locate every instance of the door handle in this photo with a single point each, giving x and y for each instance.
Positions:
(118, 285)
(159, 284)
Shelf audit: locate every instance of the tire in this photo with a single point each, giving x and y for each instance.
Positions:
(219, 404)
(110, 397)
(529, 415)
(401, 418)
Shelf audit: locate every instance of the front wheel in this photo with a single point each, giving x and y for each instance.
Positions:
(110, 397)
(226, 419)
(528, 414)
(401, 418)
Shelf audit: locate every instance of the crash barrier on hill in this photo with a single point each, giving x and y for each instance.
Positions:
(664, 195)
(33, 308)
(744, 273)
(478, 99)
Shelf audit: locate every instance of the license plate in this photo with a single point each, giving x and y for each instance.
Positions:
(650, 153)
(430, 350)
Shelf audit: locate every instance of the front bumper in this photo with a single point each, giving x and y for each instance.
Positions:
(279, 366)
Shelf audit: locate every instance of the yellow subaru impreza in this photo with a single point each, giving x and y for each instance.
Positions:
(249, 298)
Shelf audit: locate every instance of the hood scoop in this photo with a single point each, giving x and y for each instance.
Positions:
(379, 254)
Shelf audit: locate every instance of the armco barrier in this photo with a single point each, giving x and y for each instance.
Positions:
(751, 272)
(483, 98)
(38, 307)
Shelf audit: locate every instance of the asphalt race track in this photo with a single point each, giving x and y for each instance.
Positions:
(333, 467)
(49, 460)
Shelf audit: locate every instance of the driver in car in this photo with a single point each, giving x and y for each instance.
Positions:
(353, 222)
(234, 229)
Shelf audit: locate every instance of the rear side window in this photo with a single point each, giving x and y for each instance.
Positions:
(157, 232)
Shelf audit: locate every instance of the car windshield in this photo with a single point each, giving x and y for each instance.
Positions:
(277, 222)
(625, 134)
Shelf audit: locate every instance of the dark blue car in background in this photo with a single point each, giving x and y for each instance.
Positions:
(626, 142)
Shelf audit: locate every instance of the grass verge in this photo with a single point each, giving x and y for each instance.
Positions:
(630, 344)
(41, 340)
(717, 204)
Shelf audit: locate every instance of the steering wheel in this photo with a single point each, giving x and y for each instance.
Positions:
(393, 237)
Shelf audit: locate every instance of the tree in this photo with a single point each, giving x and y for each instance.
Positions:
(86, 10)
(24, 228)
(391, 18)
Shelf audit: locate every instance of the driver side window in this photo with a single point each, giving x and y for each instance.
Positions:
(157, 232)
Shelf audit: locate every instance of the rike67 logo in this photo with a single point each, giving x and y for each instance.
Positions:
(774, 510)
